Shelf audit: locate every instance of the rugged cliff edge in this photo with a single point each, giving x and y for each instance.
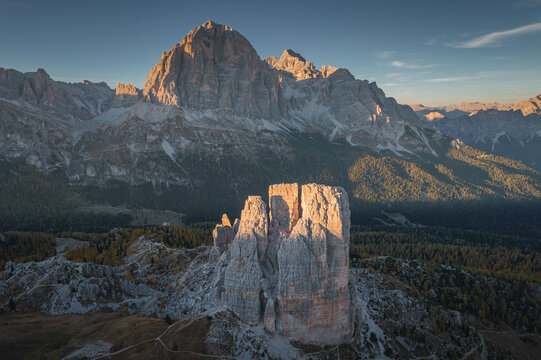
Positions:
(288, 268)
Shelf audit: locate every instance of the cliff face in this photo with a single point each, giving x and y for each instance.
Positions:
(215, 67)
(292, 275)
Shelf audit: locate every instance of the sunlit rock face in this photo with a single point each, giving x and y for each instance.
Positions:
(126, 94)
(223, 235)
(243, 274)
(215, 67)
(289, 270)
(313, 263)
(284, 200)
(293, 63)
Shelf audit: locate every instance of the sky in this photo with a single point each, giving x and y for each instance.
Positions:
(429, 52)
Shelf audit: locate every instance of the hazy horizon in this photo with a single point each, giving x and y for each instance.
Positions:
(437, 54)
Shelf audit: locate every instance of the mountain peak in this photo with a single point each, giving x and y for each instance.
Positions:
(288, 54)
(209, 24)
(293, 63)
(215, 67)
(530, 106)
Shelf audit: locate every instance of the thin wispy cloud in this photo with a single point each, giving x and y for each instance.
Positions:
(448, 79)
(494, 38)
(403, 65)
(385, 54)
(434, 40)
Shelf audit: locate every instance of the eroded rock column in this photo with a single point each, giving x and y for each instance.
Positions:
(243, 274)
(313, 265)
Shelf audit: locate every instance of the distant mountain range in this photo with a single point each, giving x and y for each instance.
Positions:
(215, 122)
(511, 130)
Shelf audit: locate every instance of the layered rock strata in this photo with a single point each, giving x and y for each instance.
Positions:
(288, 268)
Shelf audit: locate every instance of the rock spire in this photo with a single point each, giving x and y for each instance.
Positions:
(289, 268)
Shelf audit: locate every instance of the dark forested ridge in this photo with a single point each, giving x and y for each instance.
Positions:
(20, 246)
(503, 256)
(37, 201)
(466, 189)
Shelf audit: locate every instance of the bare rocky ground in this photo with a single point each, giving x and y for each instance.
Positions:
(161, 304)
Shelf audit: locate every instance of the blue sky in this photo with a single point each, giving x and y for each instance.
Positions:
(429, 52)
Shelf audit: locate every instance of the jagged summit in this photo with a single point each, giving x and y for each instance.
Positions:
(288, 53)
(37, 90)
(510, 130)
(209, 24)
(295, 64)
(529, 106)
(215, 68)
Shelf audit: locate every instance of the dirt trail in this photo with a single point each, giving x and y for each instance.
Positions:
(159, 340)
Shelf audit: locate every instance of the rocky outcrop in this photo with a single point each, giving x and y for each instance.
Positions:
(313, 263)
(223, 235)
(243, 274)
(294, 64)
(127, 94)
(289, 270)
(531, 106)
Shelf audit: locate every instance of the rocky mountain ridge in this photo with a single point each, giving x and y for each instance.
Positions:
(511, 130)
(526, 107)
(210, 91)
